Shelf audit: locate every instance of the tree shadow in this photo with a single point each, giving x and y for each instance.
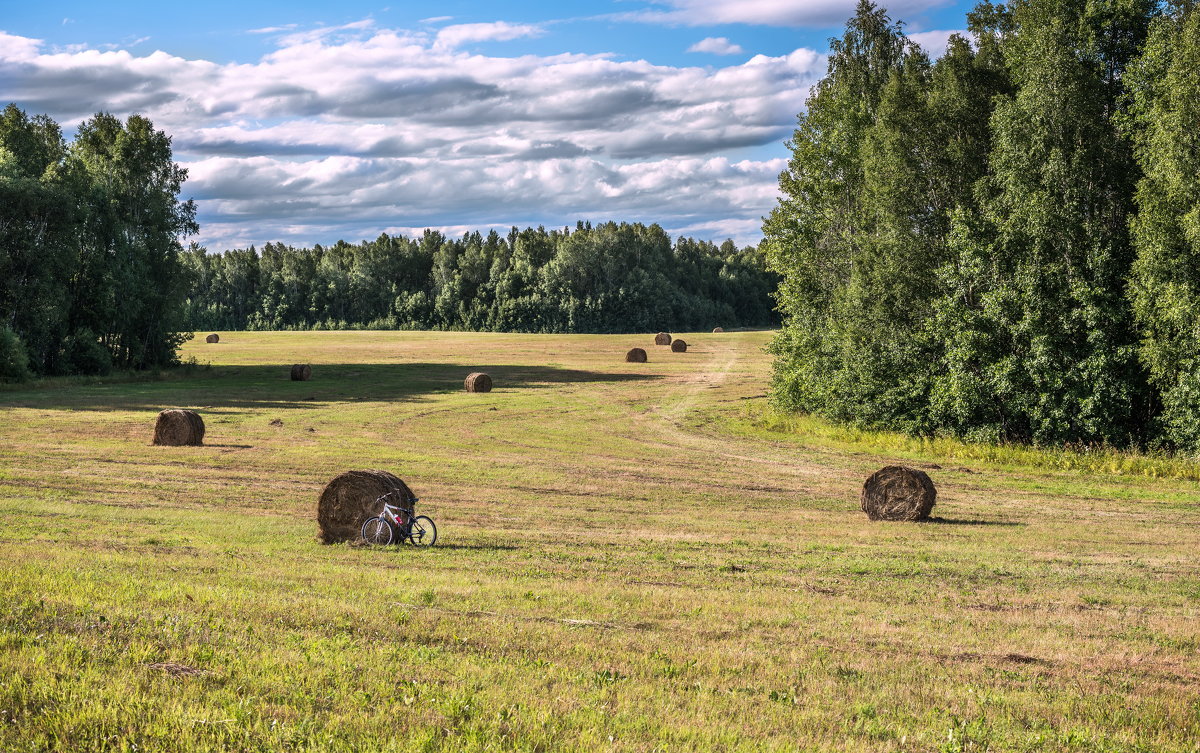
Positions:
(230, 389)
(959, 522)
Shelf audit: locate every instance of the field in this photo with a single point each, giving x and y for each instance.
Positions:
(629, 560)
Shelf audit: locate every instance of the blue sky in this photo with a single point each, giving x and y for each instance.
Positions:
(304, 122)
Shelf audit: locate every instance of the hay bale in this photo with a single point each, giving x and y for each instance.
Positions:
(213, 338)
(635, 355)
(679, 346)
(478, 382)
(349, 499)
(662, 338)
(301, 372)
(898, 492)
(717, 330)
(178, 428)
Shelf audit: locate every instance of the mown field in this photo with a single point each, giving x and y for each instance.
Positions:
(628, 561)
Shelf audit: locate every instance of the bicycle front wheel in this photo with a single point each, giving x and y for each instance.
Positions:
(377, 531)
(424, 532)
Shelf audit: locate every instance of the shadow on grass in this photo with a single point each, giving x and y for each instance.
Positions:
(958, 522)
(232, 388)
(478, 547)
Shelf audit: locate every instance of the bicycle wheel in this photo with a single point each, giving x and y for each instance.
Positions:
(423, 532)
(377, 531)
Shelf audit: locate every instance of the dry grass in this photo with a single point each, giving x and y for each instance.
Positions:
(623, 563)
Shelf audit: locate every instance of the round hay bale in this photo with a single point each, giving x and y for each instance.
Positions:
(179, 428)
(478, 382)
(301, 372)
(662, 338)
(717, 330)
(678, 346)
(349, 499)
(898, 492)
(635, 355)
(213, 338)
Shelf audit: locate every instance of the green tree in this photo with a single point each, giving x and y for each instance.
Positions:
(1040, 337)
(1166, 275)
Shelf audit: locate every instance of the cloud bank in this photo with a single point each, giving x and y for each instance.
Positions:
(349, 131)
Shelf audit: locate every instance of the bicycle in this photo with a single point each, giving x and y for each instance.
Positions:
(396, 524)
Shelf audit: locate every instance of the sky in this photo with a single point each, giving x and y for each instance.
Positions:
(305, 122)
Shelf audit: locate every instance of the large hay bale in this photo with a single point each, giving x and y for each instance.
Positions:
(213, 338)
(478, 382)
(898, 492)
(178, 428)
(301, 372)
(662, 338)
(679, 346)
(349, 499)
(635, 355)
(717, 330)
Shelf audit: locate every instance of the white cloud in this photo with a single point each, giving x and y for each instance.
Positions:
(934, 42)
(716, 46)
(272, 29)
(436, 19)
(345, 131)
(496, 31)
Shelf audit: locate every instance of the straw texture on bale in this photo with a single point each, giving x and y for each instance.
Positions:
(635, 355)
(717, 330)
(679, 346)
(662, 338)
(898, 492)
(478, 382)
(178, 428)
(301, 372)
(213, 338)
(349, 499)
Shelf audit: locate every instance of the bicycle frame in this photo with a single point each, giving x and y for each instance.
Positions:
(400, 517)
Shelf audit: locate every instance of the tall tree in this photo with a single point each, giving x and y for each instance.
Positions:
(1166, 275)
(1041, 344)
(814, 237)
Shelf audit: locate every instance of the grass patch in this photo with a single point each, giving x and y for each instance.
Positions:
(818, 432)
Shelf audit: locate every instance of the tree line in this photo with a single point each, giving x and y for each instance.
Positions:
(89, 246)
(1001, 244)
(608, 278)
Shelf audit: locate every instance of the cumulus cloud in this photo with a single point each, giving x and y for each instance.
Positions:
(496, 31)
(716, 46)
(345, 131)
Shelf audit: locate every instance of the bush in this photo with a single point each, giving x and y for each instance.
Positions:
(83, 353)
(14, 360)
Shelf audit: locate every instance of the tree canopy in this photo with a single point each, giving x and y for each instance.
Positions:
(608, 278)
(90, 273)
(997, 244)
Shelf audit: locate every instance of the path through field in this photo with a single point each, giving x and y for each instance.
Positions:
(625, 563)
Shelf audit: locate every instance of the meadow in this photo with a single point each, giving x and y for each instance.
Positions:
(631, 557)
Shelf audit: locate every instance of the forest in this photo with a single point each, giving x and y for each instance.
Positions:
(1002, 244)
(608, 278)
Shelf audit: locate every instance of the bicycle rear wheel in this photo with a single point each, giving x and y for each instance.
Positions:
(424, 532)
(377, 531)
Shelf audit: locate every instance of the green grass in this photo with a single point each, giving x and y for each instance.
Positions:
(630, 559)
(1089, 460)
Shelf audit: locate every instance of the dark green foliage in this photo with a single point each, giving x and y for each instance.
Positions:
(89, 243)
(609, 278)
(14, 361)
(954, 238)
